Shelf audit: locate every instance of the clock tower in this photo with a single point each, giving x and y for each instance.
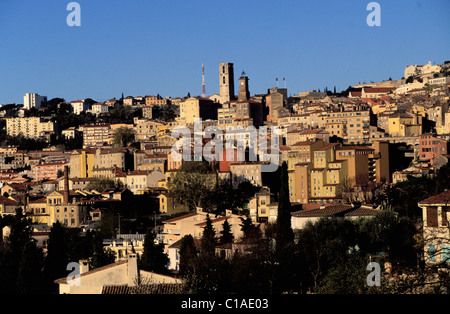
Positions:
(244, 93)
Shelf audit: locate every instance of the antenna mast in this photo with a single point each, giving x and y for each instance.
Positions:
(203, 81)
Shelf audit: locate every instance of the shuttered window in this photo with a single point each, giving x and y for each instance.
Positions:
(432, 220)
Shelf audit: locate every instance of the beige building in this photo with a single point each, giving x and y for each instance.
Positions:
(146, 129)
(436, 219)
(96, 135)
(247, 171)
(404, 125)
(139, 180)
(351, 125)
(197, 107)
(123, 277)
(262, 207)
(34, 127)
(193, 224)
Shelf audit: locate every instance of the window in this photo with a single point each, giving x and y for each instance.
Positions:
(446, 253)
(432, 217)
(431, 252)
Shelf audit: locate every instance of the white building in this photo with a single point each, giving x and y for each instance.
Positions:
(122, 277)
(79, 106)
(33, 101)
(99, 108)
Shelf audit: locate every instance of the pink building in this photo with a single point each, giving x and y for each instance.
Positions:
(47, 170)
(430, 146)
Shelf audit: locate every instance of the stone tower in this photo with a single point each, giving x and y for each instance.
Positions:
(226, 76)
(244, 93)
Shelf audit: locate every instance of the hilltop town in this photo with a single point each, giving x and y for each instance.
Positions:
(108, 170)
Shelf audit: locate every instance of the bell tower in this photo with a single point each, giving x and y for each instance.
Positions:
(226, 77)
(244, 93)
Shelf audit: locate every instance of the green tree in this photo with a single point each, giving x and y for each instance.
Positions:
(284, 232)
(326, 243)
(123, 136)
(20, 259)
(30, 276)
(193, 185)
(251, 232)
(226, 234)
(188, 255)
(102, 184)
(101, 256)
(57, 256)
(153, 258)
(208, 240)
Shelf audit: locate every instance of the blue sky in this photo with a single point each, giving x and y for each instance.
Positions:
(146, 47)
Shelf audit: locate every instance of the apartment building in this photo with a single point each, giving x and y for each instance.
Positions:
(327, 175)
(247, 171)
(79, 106)
(96, 135)
(113, 158)
(155, 101)
(299, 157)
(82, 163)
(319, 171)
(146, 129)
(430, 146)
(404, 125)
(198, 107)
(47, 171)
(34, 127)
(32, 100)
(138, 181)
(352, 125)
(99, 109)
(147, 112)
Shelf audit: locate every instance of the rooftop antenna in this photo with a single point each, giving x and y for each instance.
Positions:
(276, 79)
(203, 81)
(284, 80)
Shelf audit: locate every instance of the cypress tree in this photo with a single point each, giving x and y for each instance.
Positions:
(188, 255)
(208, 241)
(284, 234)
(153, 258)
(226, 235)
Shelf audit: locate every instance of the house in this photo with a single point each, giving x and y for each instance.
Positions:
(436, 236)
(139, 180)
(124, 275)
(7, 206)
(193, 223)
(262, 206)
(316, 211)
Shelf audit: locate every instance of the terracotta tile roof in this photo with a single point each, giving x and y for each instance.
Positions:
(442, 198)
(378, 89)
(64, 279)
(362, 211)
(354, 148)
(162, 288)
(179, 218)
(202, 224)
(312, 131)
(7, 201)
(331, 210)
